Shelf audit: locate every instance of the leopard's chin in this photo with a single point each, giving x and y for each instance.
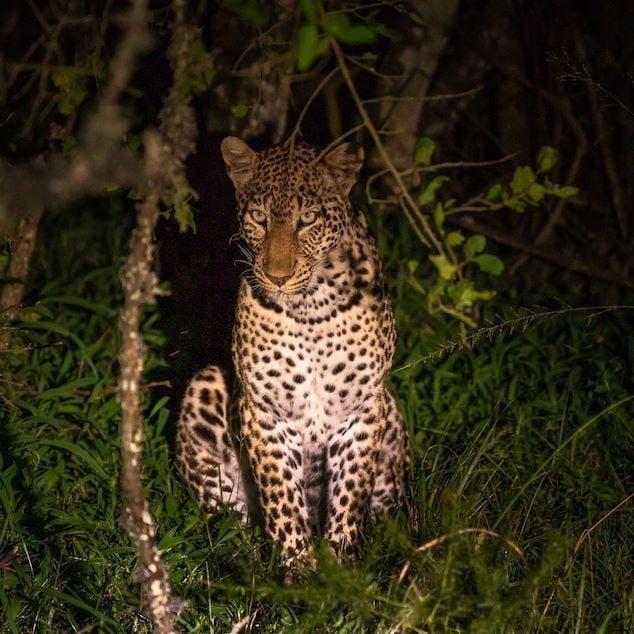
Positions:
(280, 292)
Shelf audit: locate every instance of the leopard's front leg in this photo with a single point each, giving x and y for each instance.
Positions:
(353, 454)
(274, 449)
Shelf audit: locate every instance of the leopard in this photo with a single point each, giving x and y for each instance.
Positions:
(306, 439)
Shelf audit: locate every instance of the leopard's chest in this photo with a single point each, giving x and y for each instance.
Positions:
(315, 366)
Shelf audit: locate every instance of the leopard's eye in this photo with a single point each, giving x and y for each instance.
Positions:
(308, 217)
(258, 216)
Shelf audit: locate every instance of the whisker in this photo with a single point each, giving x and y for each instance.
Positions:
(246, 252)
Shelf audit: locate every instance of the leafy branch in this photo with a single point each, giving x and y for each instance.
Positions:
(450, 288)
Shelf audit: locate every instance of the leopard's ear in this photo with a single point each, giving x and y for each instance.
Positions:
(241, 160)
(344, 163)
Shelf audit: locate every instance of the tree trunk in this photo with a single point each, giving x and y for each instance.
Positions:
(418, 59)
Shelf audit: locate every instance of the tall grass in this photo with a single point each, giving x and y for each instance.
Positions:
(521, 455)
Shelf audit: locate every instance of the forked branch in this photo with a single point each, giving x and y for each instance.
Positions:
(417, 219)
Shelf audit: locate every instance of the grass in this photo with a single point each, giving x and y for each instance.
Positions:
(527, 438)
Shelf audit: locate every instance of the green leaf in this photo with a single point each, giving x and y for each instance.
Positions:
(310, 10)
(240, 110)
(72, 88)
(184, 216)
(564, 192)
(472, 295)
(495, 192)
(341, 27)
(424, 150)
(132, 141)
(307, 49)
(183, 212)
(522, 179)
(464, 295)
(547, 158)
(474, 245)
(77, 450)
(489, 263)
(416, 285)
(412, 267)
(415, 17)
(385, 31)
(252, 11)
(171, 506)
(536, 191)
(439, 218)
(446, 269)
(428, 194)
(62, 598)
(454, 239)
(516, 205)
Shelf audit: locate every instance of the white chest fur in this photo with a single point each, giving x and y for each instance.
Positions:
(310, 364)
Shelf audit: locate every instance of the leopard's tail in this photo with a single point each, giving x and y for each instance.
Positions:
(206, 447)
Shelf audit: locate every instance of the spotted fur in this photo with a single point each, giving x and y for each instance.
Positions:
(314, 442)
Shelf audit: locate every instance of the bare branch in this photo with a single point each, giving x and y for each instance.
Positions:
(29, 189)
(165, 156)
(98, 164)
(424, 232)
(138, 282)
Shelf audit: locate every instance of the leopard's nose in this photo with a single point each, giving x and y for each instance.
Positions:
(278, 280)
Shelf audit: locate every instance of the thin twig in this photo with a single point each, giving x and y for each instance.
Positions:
(441, 539)
(609, 162)
(426, 98)
(576, 266)
(309, 101)
(424, 232)
(582, 538)
(438, 166)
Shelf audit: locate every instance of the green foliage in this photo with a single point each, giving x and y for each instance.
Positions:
(529, 436)
(525, 188)
(318, 25)
(183, 211)
(547, 158)
(255, 12)
(428, 195)
(308, 46)
(452, 285)
(240, 110)
(424, 149)
(347, 31)
(71, 87)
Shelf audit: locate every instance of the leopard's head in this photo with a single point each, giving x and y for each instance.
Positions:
(293, 208)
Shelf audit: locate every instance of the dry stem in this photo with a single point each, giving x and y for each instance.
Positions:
(416, 218)
(582, 538)
(441, 539)
(576, 266)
